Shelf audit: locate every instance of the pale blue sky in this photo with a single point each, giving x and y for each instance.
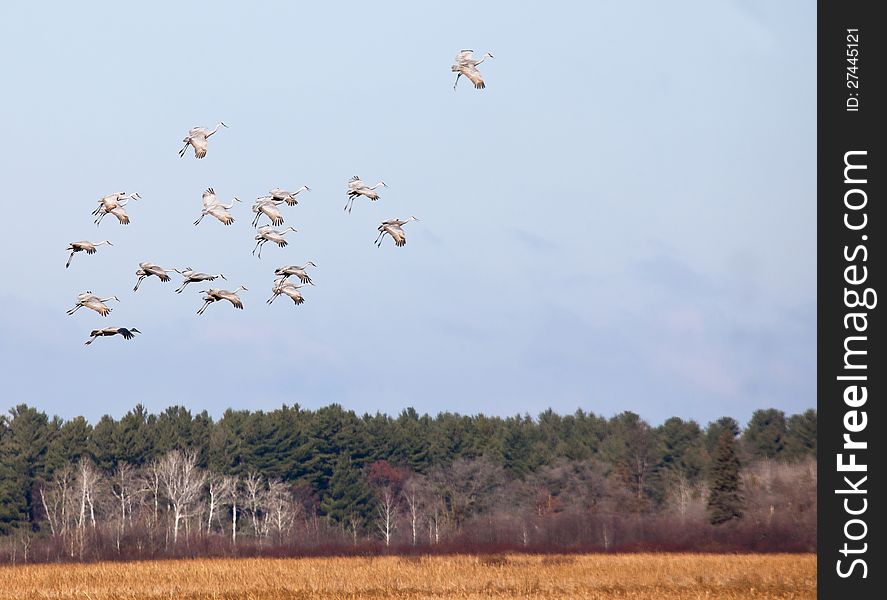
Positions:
(623, 220)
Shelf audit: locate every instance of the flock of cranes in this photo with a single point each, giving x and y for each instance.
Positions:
(264, 207)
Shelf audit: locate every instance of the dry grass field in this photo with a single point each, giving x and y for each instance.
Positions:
(629, 576)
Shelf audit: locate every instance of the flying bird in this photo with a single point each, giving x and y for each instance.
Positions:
(215, 294)
(111, 200)
(266, 234)
(197, 137)
(266, 205)
(147, 269)
(113, 204)
(126, 333)
(296, 271)
(287, 288)
(393, 228)
(89, 300)
(83, 246)
(356, 188)
(192, 276)
(211, 206)
(466, 65)
(288, 197)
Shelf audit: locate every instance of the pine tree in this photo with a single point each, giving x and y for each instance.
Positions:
(13, 504)
(348, 501)
(764, 437)
(724, 499)
(800, 439)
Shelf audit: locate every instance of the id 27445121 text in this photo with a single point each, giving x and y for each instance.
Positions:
(852, 104)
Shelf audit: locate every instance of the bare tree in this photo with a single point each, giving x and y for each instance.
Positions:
(87, 478)
(413, 493)
(219, 488)
(55, 498)
(387, 511)
(151, 482)
(182, 483)
(467, 487)
(232, 485)
(254, 498)
(123, 484)
(280, 510)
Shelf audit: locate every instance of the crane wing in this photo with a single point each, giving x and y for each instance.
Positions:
(221, 214)
(464, 57)
(474, 75)
(200, 145)
(232, 298)
(209, 198)
(120, 214)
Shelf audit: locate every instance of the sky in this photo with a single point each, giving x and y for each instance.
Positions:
(624, 219)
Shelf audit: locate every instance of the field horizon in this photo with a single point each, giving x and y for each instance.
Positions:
(639, 576)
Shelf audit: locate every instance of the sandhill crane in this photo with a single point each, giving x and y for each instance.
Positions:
(266, 205)
(113, 204)
(356, 188)
(288, 197)
(215, 294)
(111, 200)
(393, 228)
(271, 235)
(466, 65)
(197, 137)
(192, 276)
(83, 246)
(91, 301)
(211, 206)
(123, 331)
(288, 288)
(147, 269)
(296, 271)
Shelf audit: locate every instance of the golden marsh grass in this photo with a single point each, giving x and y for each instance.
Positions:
(624, 576)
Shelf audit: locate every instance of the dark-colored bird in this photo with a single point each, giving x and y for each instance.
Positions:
(126, 333)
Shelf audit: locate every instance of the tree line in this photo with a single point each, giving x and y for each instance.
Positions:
(294, 481)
